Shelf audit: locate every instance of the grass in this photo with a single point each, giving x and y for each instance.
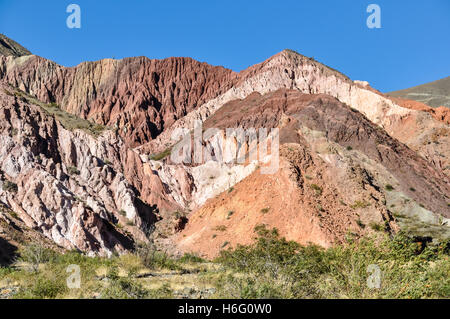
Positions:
(191, 258)
(271, 267)
(71, 170)
(47, 278)
(10, 186)
(68, 121)
(317, 189)
(161, 156)
(220, 228)
(360, 223)
(14, 215)
(72, 122)
(359, 204)
(7, 92)
(377, 226)
(122, 212)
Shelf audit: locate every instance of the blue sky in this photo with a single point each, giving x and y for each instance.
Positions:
(411, 48)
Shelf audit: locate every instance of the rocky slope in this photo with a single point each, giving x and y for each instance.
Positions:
(291, 70)
(339, 176)
(143, 98)
(10, 47)
(60, 182)
(85, 154)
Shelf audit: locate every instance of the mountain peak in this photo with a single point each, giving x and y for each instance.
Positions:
(11, 47)
(295, 57)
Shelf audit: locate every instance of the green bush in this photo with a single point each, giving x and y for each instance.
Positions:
(161, 156)
(73, 170)
(191, 258)
(122, 212)
(376, 226)
(10, 186)
(35, 255)
(4, 271)
(42, 288)
(275, 268)
(122, 288)
(316, 188)
(359, 204)
(220, 228)
(152, 258)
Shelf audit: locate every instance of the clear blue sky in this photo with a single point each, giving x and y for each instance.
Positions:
(411, 48)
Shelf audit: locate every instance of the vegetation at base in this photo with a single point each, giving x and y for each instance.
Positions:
(271, 267)
(276, 268)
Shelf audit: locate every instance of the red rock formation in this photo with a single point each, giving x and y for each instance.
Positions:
(441, 113)
(345, 149)
(139, 96)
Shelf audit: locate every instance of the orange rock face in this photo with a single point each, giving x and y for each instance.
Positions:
(441, 113)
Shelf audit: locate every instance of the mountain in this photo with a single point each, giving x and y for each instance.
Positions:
(335, 171)
(85, 159)
(435, 94)
(10, 47)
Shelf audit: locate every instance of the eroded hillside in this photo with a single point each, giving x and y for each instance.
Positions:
(85, 157)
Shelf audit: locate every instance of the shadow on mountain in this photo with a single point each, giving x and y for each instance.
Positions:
(7, 252)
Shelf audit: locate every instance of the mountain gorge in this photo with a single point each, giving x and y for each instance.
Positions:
(85, 159)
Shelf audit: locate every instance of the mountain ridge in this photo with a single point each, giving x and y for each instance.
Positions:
(9, 47)
(435, 93)
(103, 192)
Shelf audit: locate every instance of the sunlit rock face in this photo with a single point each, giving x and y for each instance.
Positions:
(86, 154)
